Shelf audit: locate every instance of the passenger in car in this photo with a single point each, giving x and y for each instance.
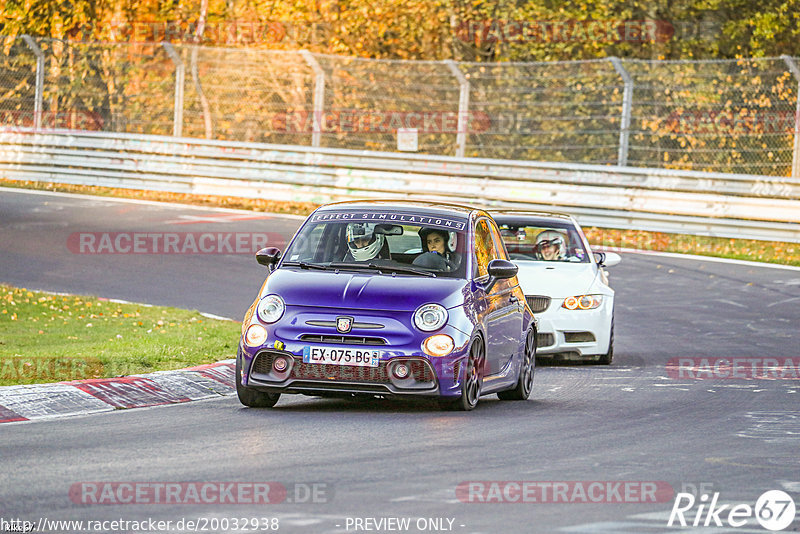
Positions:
(436, 241)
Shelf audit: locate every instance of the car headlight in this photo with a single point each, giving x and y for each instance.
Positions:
(270, 309)
(430, 317)
(438, 345)
(582, 302)
(248, 315)
(255, 336)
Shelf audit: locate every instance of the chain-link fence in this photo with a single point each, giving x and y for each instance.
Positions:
(737, 116)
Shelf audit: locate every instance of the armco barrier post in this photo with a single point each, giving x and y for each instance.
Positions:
(38, 95)
(180, 73)
(627, 102)
(796, 150)
(319, 96)
(463, 108)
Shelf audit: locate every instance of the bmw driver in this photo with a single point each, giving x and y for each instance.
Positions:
(551, 246)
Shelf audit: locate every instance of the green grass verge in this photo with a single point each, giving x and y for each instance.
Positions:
(720, 247)
(740, 249)
(51, 338)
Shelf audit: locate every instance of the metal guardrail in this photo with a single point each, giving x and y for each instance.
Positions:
(724, 205)
(735, 115)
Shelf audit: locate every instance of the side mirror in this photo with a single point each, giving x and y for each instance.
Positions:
(499, 270)
(268, 256)
(607, 259)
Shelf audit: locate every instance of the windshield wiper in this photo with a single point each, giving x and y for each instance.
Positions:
(380, 268)
(305, 265)
(410, 270)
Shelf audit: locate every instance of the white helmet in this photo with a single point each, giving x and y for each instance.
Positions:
(552, 237)
(364, 232)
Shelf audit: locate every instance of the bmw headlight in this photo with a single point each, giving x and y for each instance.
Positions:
(430, 317)
(582, 302)
(270, 309)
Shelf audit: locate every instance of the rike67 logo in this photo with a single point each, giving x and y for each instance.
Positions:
(774, 510)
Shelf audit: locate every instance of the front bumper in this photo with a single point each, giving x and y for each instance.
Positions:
(574, 334)
(428, 377)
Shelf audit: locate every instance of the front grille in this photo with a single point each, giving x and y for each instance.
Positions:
(351, 373)
(356, 324)
(420, 370)
(545, 340)
(538, 303)
(578, 337)
(343, 340)
(339, 373)
(263, 363)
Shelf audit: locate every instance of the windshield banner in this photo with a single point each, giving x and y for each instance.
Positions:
(395, 218)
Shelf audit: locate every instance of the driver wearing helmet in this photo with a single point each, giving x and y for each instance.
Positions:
(437, 251)
(551, 246)
(364, 243)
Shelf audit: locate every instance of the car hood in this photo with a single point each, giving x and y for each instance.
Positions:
(554, 279)
(362, 290)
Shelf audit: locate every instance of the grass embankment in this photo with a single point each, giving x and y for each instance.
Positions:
(742, 249)
(50, 338)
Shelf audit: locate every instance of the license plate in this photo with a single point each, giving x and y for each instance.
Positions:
(342, 356)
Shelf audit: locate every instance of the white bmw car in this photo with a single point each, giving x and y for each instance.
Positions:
(565, 284)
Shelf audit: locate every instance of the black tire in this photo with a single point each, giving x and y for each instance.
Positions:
(525, 382)
(250, 397)
(608, 357)
(472, 383)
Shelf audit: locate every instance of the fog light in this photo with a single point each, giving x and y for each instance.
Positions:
(280, 364)
(401, 371)
(438, 345)
(256, 335)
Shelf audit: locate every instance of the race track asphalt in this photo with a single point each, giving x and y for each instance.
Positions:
(371, 460)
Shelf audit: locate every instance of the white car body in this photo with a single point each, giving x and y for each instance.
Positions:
(564, 333)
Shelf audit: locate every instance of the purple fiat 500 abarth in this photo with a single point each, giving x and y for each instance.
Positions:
(388, 298)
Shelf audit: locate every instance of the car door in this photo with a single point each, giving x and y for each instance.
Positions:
(511, 303)
(497, 304)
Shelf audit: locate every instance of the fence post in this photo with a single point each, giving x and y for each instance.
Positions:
(180, 73)
(796, 150)
(39, 93)
(627, 102)
(463, 107)
(319, 96)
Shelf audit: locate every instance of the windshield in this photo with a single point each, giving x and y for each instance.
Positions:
(396, 243)
(540, 241)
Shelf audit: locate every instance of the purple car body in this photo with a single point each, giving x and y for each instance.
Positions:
(451, 325)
